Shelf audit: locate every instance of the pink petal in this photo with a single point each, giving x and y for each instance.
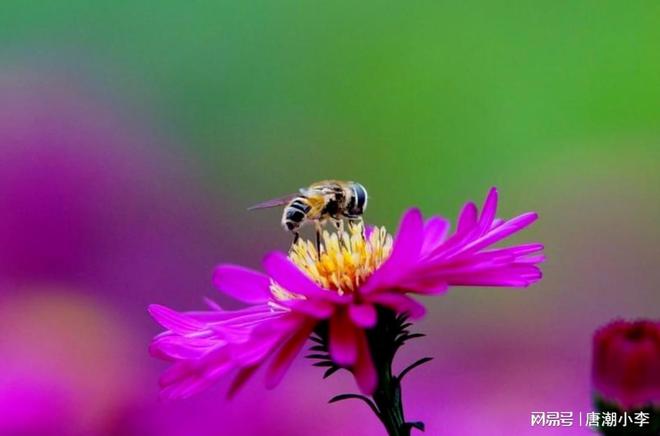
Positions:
(242, 284)
(497, 222)
(260, 345)
(471, 262)
(467, 219)
(514, 275)
(290, 277)
(244, 320)
(409, 238)
(364, 370)
(189, 386)
(465, 230)
(173, 320)
(282, 360)
(343, 346)
(175, 373)
(186, 378)
(435, 231)
(532, 259)
(509, 227)
(318, 309)
(489, 210)
(218, 315)
(400, 303)
(243, 375)
(405, 252)
(183, 348)
(516, 250)
(212, 304)
(363, 315)
(426, 285)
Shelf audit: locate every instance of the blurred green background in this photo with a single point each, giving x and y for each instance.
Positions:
(426, 104)
(458, 94)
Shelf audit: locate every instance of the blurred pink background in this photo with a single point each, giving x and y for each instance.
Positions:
(120, 188)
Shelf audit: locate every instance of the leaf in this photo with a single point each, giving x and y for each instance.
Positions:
(331, 371)
(419, 425)
(414, 365)
(357, 397)
(317, 356)
(406, 337)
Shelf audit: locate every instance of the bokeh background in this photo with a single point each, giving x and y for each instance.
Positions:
(133, 135)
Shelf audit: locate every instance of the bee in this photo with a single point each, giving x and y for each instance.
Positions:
(327, 200)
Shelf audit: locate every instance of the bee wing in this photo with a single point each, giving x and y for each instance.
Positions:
(315, 191)
(274, 202)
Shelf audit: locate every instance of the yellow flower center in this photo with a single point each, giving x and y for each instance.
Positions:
(346, 260)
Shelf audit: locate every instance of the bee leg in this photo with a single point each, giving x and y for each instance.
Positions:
(296, 236)
(339, 224)
(318, 238)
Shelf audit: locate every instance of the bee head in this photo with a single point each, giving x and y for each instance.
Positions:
(358, 200)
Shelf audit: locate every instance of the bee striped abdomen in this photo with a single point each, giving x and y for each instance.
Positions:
(295, 213)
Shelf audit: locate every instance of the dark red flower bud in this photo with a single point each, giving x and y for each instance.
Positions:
(626, 363)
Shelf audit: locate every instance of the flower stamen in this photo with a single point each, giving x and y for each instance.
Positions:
(346, 259)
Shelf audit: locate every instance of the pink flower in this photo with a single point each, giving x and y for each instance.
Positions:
(204, 346)
(626, 363)
(342, 287)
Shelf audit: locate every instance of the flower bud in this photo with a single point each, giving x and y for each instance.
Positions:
(626, 364)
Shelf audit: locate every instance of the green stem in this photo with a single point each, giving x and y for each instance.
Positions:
(388, 400)
(387, 397)
(389, 334)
